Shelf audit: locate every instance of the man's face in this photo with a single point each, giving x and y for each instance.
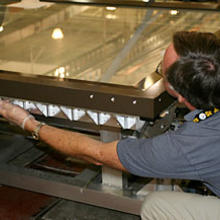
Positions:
(169, 58)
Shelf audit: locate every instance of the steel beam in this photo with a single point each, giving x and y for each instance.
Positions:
(25, 179)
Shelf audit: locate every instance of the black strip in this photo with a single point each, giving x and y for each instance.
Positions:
(151, 4)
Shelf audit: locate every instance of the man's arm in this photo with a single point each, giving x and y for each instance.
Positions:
(67, 142)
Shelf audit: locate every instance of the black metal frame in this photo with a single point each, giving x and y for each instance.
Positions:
(150, 4)
(126, 100)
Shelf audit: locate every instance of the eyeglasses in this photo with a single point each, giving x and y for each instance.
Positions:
(159, 69)
(160, 72)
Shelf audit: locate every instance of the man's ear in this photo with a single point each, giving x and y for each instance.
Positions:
(183, 100)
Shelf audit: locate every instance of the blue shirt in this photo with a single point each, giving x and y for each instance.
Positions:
(190, 152)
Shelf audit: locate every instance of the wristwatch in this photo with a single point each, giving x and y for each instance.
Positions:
(35, 132)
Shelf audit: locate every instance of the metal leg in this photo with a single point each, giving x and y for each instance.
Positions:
(111, 176)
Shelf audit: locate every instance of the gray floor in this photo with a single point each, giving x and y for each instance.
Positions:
(68, 210)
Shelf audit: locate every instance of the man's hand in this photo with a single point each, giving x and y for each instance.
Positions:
(13, 113)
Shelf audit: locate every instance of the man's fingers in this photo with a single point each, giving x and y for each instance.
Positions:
(1, 103)
(2, 111)
(6, 108)
(5, 104)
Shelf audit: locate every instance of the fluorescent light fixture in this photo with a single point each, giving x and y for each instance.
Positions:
(174, 12)
(110, 16)
(61, 70)
(57, 34)
(111, 8)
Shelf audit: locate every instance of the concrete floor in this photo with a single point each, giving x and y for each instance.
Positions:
(17, 204)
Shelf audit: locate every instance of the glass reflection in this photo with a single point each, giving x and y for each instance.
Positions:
(57, 34)
(114, 45)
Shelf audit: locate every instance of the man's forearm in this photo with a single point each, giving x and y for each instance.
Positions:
(78, 145)
(67, 142)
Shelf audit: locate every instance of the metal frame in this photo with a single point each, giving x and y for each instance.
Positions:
(105, 97)
(150, 4)
(25, 180)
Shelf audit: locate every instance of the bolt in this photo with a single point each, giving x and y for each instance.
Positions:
(112, 99)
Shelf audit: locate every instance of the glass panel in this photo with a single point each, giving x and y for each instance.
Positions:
(95, 43)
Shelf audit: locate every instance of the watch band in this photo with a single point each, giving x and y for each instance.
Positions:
(25, 120)
(35, 133)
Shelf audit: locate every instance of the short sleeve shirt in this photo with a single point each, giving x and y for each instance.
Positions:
(190, 152)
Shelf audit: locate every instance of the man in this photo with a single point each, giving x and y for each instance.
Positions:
(191, 68)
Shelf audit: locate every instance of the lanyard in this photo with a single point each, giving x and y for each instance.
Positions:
(205, 114)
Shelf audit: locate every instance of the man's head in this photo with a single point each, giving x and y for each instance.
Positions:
(192, 67)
